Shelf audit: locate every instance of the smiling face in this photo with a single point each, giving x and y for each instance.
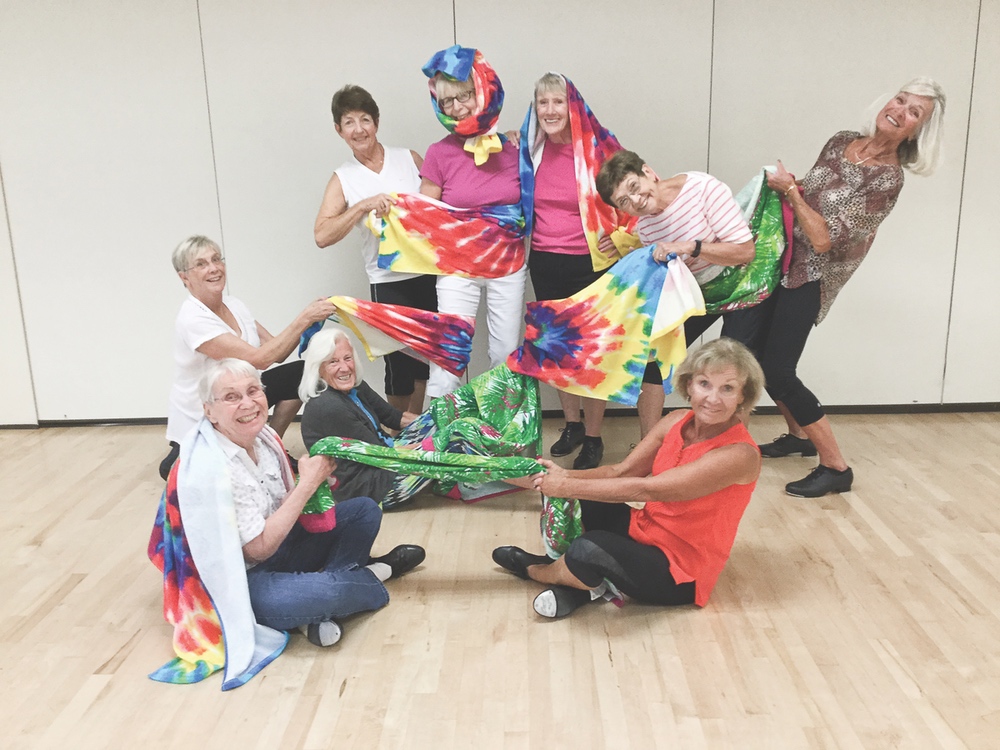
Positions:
(337, 370)
(716, 395)
(552, 110)
(358, 129)
(456, 100)
(903, 116)
(206, 275)
(238, 408)
(636, 194)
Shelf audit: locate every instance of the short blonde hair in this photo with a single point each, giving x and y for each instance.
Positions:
(550, 82)
(185, 252)
(444, 86)
(717, 355)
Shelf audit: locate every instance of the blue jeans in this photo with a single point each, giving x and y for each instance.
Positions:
(317, 577)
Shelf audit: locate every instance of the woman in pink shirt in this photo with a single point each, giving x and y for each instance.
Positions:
(571, 246)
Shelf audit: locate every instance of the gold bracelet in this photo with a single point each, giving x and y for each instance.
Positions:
(790, 189)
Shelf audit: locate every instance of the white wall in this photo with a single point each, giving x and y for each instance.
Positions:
(118, 139)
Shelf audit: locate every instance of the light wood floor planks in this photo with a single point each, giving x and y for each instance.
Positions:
(867, 620)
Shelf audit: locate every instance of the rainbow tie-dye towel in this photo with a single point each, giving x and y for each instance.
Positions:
(441, 338)
(423, 235)
(592, 145)
(597, 342)
(194, 543)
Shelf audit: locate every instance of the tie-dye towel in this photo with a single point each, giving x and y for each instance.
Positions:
(462, 64)
(423, 235)
(473, 435)
(195, 545)
(592, 145)
(739, 287)
(597, 342)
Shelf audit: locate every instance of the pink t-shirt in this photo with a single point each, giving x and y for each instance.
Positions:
(464, 185)
(558, 227)
(703, 210)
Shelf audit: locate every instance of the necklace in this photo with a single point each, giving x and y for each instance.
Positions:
(857, 153)
(378, 160)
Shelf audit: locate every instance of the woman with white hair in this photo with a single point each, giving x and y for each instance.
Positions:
(339, 403)
(296, 578)
(473, 167)
(213, 326)
(838, 208)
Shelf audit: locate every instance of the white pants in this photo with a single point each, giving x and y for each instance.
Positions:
(504, 312)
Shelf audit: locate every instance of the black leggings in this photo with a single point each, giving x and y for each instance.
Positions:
(605, 550)
(744, 326)
(787, 319)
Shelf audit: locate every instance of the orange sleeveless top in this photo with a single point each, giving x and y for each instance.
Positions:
(695, 535)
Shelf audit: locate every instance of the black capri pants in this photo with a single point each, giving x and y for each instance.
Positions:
(401, 370)
(605, 550)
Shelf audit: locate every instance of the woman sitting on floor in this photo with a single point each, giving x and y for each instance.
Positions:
(695, 472)
(295, 578)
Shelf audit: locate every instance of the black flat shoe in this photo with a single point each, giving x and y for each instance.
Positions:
(821, 481)
(559, 601)
(516, 560)
(788, 445)
(572, 435)
(591, 454)
(401, 559)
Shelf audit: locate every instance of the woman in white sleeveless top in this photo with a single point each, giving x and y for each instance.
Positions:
(360, 185)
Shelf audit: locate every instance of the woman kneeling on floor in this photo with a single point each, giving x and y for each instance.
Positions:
(695, 472)
(295, 578)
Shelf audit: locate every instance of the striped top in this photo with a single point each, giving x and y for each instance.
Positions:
(703, 210)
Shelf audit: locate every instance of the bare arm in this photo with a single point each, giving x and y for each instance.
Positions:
(417, 159)
(811, 222)
(312, 471)
(335, 219)
(717, 469)
(718, 253)
(272, 348)
(429, 189)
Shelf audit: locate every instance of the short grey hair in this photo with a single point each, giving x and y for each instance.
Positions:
(717, 355)
(550, 82)
(321, 346)
(185, 252)
(216, 369)
(921, 154)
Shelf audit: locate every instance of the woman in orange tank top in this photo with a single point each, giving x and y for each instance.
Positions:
(695, 472)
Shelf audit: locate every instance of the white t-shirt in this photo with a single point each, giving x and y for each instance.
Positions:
(703, 210)
(399, 175)
(195, 325)
(258, 489)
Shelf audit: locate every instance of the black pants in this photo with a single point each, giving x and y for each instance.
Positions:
(401, 370)
(787, 318)
(744, 326)
(605, 550)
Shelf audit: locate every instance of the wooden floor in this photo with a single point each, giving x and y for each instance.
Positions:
(867, 620)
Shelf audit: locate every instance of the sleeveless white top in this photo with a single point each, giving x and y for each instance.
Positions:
(399, 175)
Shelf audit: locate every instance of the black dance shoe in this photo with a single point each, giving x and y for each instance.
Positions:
(821, 481)
(591, 454)
(401, 559)
(559, 601)
(569, 441)
(516, 560)
(788, 445)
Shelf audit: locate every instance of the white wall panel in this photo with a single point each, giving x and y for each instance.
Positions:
(272, 70)
(107, 164)
(787, 77)
(18, 404)
(974, 335)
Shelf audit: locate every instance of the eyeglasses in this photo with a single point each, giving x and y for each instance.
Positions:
(631, 189)
(201, 265)
(235, 398)
(463, 97)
